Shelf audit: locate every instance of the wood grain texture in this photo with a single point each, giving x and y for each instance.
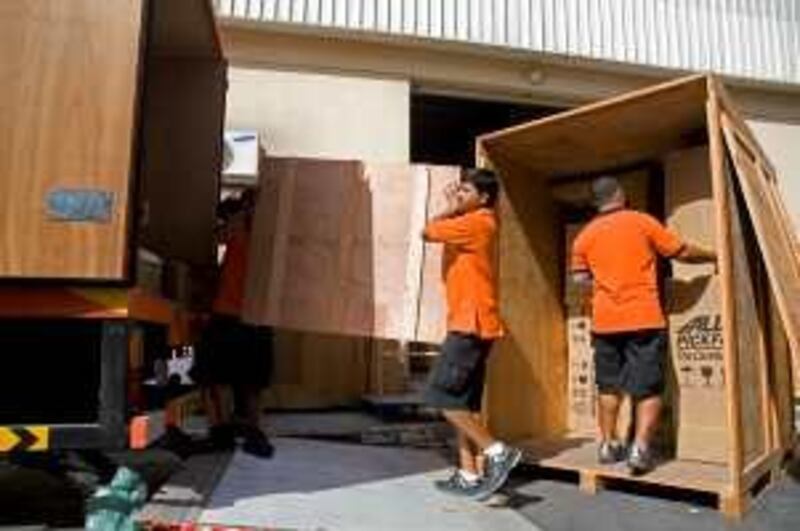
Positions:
(432, 322)
(331, 250)
(776, 241)
(750, 326)
(607, 135)
(781, 379)
(574, 452)
(67, 98)
(527, 380)
(315, 371)
(181, 156)
(722, 228)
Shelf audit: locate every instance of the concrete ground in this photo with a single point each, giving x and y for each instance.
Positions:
(323, 485)
(327, 484)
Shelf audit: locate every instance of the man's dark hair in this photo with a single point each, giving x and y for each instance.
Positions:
(485, 181)
(604, 189)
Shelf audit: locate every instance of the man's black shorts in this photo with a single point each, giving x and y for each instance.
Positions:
(233, 352)
(631, 362)
(457, 379)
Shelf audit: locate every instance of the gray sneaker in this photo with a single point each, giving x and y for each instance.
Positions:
(610, 452)
(497, 470)
(458, 486)
(640, 461)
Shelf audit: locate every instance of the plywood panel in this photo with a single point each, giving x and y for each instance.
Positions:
(608, 134)
(317, 371)
(695, 313)
(527, 381)
(750, 327)
(332, 249)
(776, 239)
(781, 379)
(432, 323)
(181, 156)
(67, 98)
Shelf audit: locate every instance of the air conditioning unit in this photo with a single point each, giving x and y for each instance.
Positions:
(240, 158)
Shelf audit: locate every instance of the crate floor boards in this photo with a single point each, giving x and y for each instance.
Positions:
(579, 454)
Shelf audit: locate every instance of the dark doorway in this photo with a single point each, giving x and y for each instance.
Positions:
(444, 128)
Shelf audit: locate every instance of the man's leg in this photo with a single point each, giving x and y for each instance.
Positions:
(608, 415)
(212, 402)
(256, 441)
(220, 429)
(493, 458)
(471, 429)
(467, 455)
(252, 405)
(609, 369)
(647, 352)
(648, 413)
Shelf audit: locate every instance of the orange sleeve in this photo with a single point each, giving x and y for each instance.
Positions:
(665, 241)
(460, 231)
(579, 261)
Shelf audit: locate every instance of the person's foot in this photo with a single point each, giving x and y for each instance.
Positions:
(220, 439)
(610, 452)
(640, 460)
(498, 467)
(457, 485)
(177, 441)
(256, 443)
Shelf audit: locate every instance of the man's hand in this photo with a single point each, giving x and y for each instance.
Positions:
(582, 278)
(453, 204)
(694, 254)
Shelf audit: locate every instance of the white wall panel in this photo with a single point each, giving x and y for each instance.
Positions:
(747, 38)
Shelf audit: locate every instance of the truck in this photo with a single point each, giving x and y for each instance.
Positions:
(110, 156)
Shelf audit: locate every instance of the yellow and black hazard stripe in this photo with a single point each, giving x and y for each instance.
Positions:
(24, 438)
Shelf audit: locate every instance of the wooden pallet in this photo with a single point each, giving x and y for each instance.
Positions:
(692, 479)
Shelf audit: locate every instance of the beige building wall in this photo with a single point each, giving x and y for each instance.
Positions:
(781, 141)
(323, 116)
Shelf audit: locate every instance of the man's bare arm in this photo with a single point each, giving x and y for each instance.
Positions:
(694, 254)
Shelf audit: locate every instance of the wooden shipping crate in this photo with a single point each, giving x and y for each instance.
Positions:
(758, 282)
(337, 249)
(110, 137)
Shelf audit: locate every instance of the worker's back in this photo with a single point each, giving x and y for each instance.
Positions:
(620, 249)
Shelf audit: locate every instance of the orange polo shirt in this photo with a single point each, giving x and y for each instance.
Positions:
(469, 271)
(620, 249)
(229, 299)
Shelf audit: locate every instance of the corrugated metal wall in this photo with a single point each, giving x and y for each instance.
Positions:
(747, 38)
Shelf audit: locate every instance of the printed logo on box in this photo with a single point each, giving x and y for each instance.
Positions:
(699, 352)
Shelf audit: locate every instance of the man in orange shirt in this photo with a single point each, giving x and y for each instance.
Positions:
(468, 230)
(617, 253)
(234, 353)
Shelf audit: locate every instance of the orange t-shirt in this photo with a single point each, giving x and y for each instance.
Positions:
(620, 250)
(229, 299)
(469, 271)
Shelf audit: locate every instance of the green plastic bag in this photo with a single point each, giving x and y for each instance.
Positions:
(111, 507)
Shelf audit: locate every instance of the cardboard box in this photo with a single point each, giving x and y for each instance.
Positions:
(698, 394)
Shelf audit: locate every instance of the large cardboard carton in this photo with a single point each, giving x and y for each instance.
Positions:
(581, 390)
(698, 390)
